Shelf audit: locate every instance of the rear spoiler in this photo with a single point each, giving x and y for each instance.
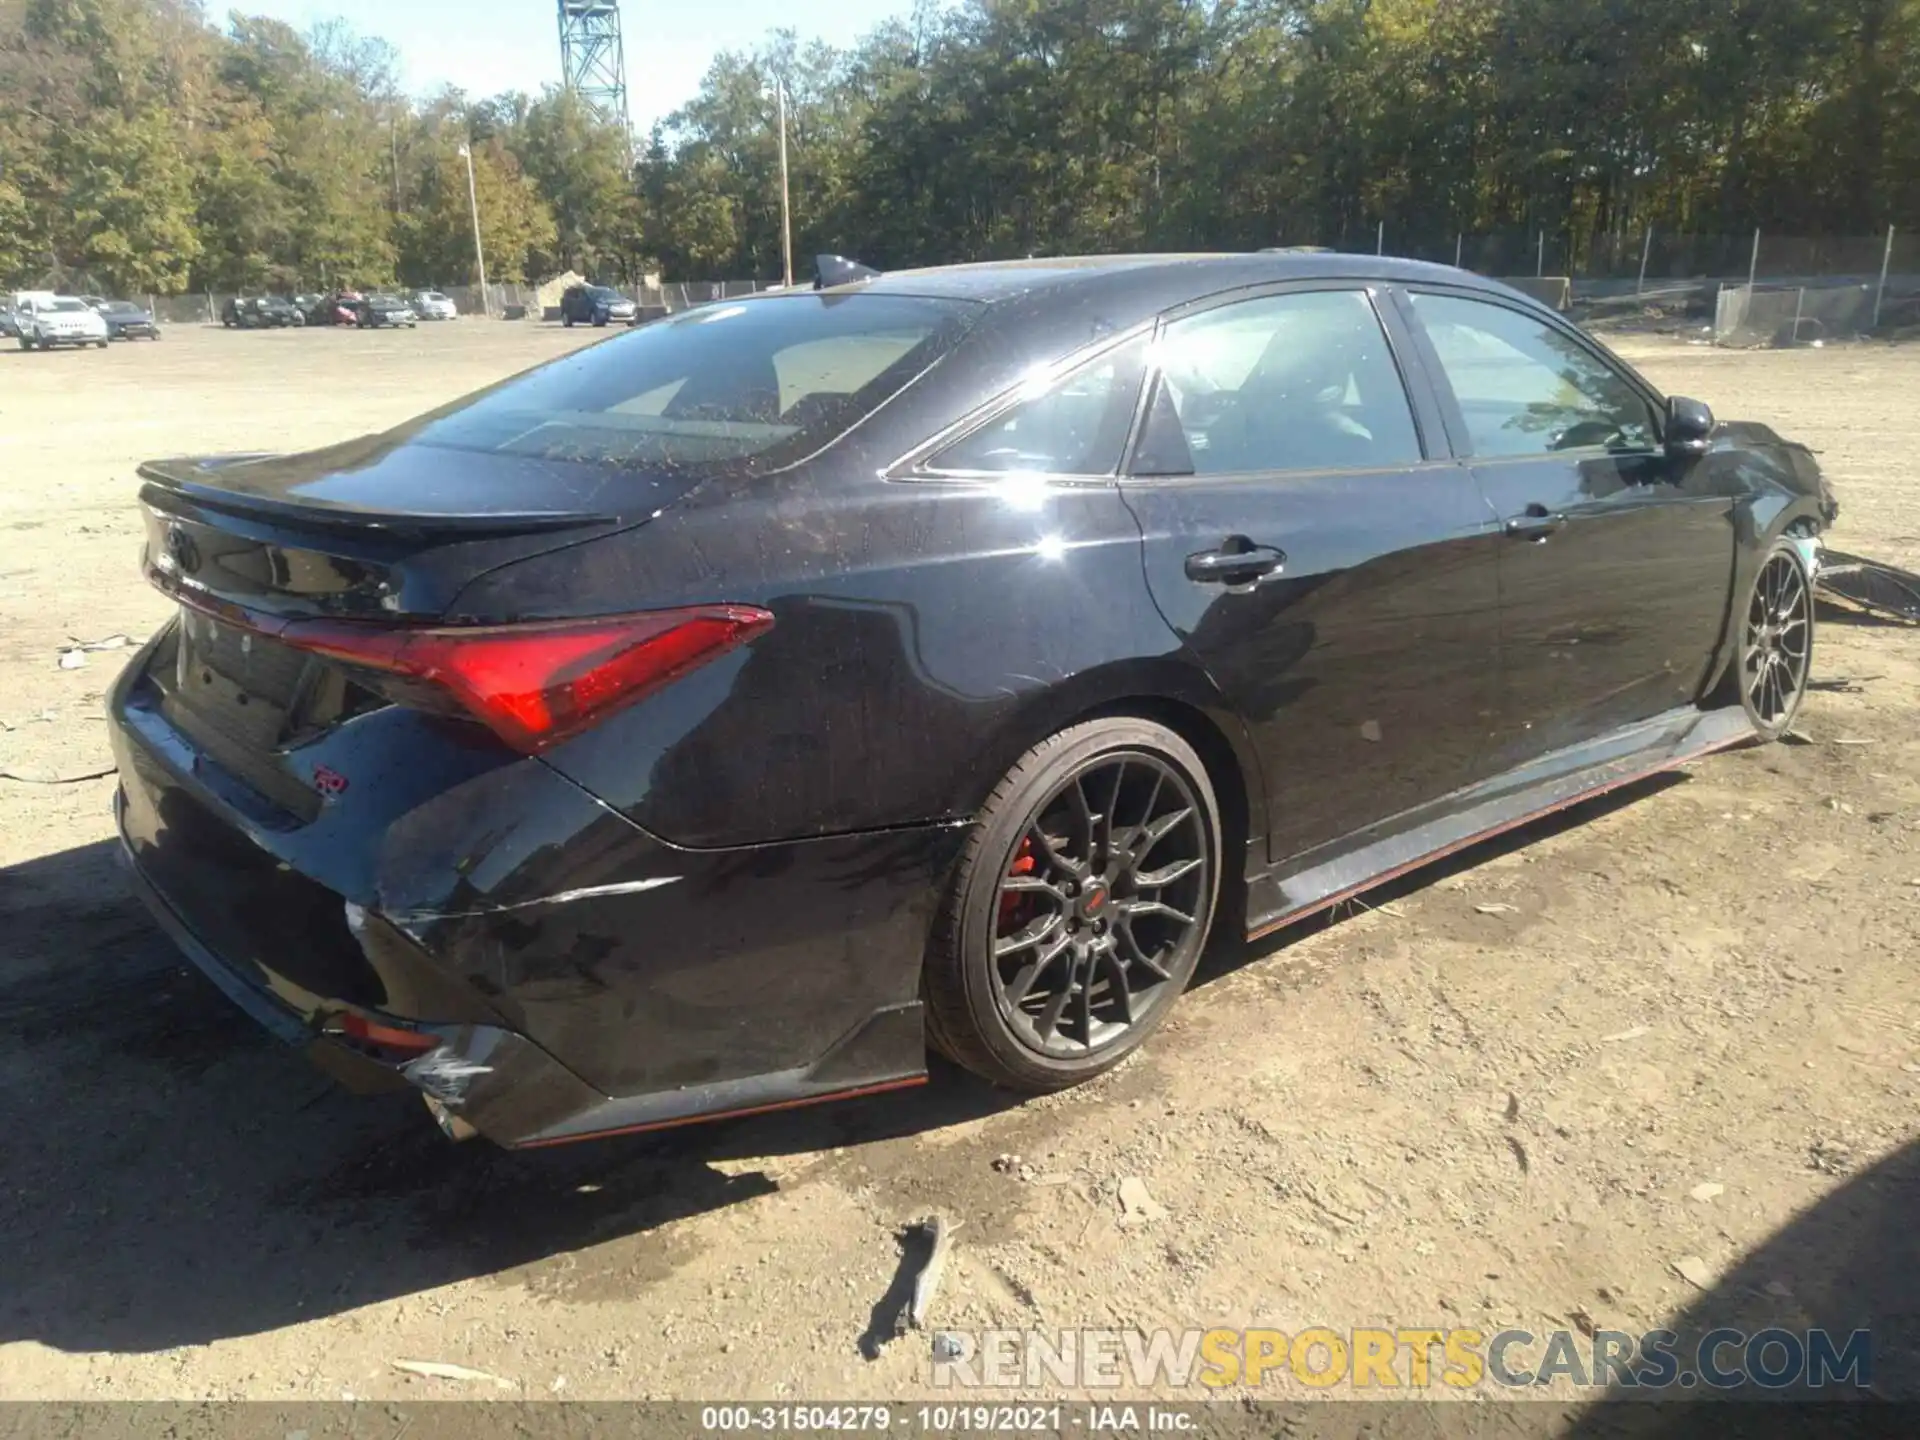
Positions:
(831, 270)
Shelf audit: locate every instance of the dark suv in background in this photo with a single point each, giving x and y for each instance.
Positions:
(596, 305)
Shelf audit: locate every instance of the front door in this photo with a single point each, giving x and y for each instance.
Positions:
(1616, 569)
(1338, 584)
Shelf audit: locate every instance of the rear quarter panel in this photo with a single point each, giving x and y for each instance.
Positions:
(925, 634)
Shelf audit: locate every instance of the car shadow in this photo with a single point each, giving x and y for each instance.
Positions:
(1847, 1264)
(175, 1176)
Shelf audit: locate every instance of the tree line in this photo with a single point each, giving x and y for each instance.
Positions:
(141, 144)
(146, 151)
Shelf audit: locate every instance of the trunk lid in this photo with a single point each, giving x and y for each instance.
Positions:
(376, 530)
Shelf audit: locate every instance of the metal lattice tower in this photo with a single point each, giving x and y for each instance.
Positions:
(593, 62)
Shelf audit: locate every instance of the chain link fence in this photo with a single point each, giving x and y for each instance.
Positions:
(1747, 289)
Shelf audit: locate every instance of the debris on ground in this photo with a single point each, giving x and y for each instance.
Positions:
(1694, 1270)
(57, 779)
(1497, 907)
(72, 659)
(1707, 1190)
(1137, 1205)
(1877, 588)
(924, 1246)
(927, 1283)
(441, 1370)
(110, 642)
(1634, 1034)
(1830, 1157)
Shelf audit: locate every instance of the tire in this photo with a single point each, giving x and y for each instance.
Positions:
(599, 322)
(974, 1015)
(26, 342)
(566, 320)
(1773, 644)
(101, 343)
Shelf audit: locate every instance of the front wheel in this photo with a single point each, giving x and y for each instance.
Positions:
(567, 320)
(1082, 904)
(26, 342)
(1769, 671)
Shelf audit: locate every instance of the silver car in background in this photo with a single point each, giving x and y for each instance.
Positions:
(432, 305)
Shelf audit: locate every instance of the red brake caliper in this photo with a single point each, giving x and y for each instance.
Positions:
(1023, 864)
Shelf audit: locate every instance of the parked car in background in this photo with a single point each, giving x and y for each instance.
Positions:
(596, 305)
(258, 312)
(66, 320)
(9, 321)
(1156, 595)
(377, 310)
(432, 305)
(312, 308)
(126, 320)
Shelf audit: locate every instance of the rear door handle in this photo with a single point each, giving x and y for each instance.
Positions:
(1536, 522)
(1237, 562)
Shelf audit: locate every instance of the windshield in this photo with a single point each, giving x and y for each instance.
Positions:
(121, 307)
(66, 305)
(435, 296)
(765, 382)
(602, 292)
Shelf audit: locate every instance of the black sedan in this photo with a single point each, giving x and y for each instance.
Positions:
(127, 321)
(707, 720)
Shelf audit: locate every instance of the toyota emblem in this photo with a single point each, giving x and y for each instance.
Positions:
(181, 553)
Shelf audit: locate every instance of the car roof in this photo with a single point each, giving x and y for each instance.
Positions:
(1184, 275)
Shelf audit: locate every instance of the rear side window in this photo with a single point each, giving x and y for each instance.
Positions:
(1301, 381)
(1076, 427)
(1524, 387)
(756, 384)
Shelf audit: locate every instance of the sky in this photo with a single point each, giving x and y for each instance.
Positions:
(487, 46)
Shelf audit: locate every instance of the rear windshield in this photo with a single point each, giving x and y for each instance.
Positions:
(761, 383)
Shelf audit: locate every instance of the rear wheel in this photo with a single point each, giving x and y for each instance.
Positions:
(566, 320)
(26, 342)
(1082, 904)
(1768, 675)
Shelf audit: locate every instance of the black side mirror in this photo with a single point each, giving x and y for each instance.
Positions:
(1689, 426)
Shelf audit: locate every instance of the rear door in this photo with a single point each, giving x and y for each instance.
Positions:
(1618, 557)
(1308, 536)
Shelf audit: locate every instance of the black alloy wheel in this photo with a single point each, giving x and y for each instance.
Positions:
(1083, 904)
(1776, 642)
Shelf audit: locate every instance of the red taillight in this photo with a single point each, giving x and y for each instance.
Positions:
(535, 685)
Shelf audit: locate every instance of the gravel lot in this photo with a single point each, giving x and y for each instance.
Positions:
(1484, 1098)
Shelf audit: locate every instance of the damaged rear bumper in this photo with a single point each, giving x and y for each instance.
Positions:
(536, 966)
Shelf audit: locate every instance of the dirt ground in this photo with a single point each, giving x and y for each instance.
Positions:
(1484, 1098)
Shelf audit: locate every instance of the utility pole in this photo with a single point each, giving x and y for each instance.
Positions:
(786, 204)
(479, 255)
(1886, 260)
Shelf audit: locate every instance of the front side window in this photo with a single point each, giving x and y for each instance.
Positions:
(763, 382)
(1076, 426)
(1525, 387)
(1302, 381)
